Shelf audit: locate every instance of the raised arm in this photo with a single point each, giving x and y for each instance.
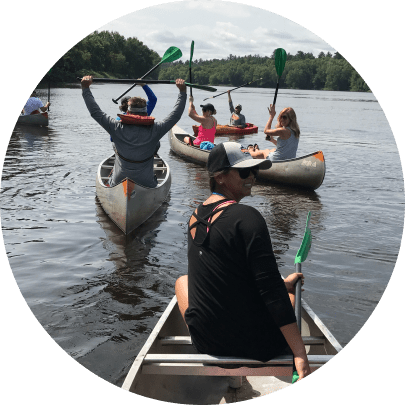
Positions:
(173, 118)
(270, 133)
(152, 99)
(230, 102)
(101, 117)
(192, 113)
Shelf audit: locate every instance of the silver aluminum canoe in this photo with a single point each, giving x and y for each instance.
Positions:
(34, 119)
(129, 204)
(166, 368)
(306, 171)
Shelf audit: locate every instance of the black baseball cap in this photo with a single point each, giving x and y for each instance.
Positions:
(208, 106)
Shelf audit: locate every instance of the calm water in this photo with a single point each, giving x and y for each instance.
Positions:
(99, 293)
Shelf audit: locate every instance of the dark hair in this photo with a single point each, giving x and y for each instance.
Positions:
(212, 176)
(124, 104)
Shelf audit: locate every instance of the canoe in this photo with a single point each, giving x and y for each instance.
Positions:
(306, 171)
(34, 119)
(228, 130)
(129, 204)
(168, 367)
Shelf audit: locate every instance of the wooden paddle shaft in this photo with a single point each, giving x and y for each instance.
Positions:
(298, 296)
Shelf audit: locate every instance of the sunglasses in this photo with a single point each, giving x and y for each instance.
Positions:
(244, 173)
(284, 117)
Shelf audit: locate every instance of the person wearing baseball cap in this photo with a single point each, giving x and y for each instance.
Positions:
(237, 119)
(234, 300)
(208, 127)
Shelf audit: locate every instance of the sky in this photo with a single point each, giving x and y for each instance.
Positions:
(218, 29)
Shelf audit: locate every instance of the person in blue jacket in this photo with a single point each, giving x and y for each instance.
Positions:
(150, 104)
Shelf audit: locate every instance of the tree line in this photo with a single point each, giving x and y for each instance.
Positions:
(109, 54)
(302, 71)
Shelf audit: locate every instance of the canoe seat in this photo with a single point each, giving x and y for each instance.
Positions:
(186, 340)
(107, 167)
(206, 365)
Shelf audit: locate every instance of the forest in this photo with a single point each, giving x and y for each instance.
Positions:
(109, 54)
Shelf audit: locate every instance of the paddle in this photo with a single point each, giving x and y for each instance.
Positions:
(191, 58)
(279, 60)
(136, 81)
(300, 258)
(243, 85)
(49, 89)
(170, 55)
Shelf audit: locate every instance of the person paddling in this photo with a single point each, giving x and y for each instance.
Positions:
(234, 300)
(34, 105)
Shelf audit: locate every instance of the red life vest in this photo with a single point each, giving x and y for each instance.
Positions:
(136, 119)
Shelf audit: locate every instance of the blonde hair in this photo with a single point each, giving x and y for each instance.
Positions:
(293, 124)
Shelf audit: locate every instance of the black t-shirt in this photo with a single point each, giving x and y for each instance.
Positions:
(237, 298)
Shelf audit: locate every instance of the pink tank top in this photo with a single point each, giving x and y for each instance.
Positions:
(205, 134)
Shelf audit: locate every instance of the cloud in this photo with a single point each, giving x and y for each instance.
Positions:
(218, 29)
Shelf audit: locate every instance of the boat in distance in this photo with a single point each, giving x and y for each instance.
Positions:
(40, 119)
(230, 130)
(306, 171)
(129, 204)
(169, 368)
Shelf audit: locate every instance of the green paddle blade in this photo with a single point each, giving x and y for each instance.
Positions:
(279, 59)
(191, 52)
(305, 244)
(295, 377)
(171, 55)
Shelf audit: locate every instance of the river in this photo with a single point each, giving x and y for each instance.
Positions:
(99, 293)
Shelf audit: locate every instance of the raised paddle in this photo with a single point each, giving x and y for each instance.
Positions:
(146, 81)
(243, 85)
(279, 60)
(300, 258)
(191, 58)
(170, 55)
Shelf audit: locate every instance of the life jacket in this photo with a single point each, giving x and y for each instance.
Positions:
(136, 119)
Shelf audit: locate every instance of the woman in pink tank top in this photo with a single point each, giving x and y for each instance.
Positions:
(206, 131)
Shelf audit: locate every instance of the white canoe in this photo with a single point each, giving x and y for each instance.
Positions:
(34, 119)
(168, 368)
(130, 204)
(306, 171)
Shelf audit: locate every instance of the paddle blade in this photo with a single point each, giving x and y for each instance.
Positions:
(305, 244)
(295, 377)
(191, 52)
(279, 59)
(171, 55)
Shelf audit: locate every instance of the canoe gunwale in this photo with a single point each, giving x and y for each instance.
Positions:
(291, 172)
(161, 365)
(129, 204)
(160, 184)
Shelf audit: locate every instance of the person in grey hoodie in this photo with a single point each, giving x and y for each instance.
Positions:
(135, 144)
